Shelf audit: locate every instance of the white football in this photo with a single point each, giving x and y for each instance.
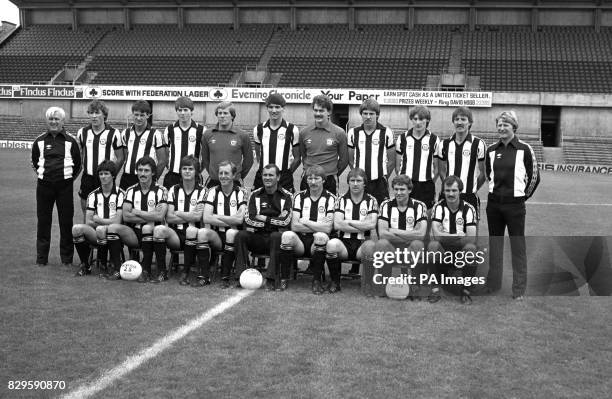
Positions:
(251, 279)
(397, 290)
(130, 270)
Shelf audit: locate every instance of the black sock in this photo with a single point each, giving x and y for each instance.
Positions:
(317, 262)
(82, 248)
(114, 248)
(227, 260)
(147, 252)
(203, 251)
(335, 267)
(189, 254)
(285, 258)
(102, 253)
(159, 246)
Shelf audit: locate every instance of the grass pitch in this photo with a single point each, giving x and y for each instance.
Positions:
(294, 344)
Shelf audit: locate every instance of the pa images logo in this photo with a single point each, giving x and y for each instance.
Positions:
(218, 94)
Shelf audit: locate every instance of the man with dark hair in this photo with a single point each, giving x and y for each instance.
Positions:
(104, 207)
(183, 137)
(185, 206)
(325, 144)
(98, 142)
(463, 155)
(226, 142)
(276, 141)
(371, 148)
(144, 207)
(142, 140)
(56, 161)
(453, 228)
(418, 149)
(311, 225)
(268, 214)
(356, 215)
(224, 209)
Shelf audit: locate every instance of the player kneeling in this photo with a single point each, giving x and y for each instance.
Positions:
(185, 206)
(356, 214)
(144, 207)
(103, 208)
(224, 209)
(454, 230)
(402, 223)
(311, 224)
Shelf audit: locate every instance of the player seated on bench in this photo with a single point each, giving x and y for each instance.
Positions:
(402, 222)
(356, 214)
(185, 206)
(224, 209)
(144, 208)
(103, 208)
(268, 215)
(453, 228)
(311, 224)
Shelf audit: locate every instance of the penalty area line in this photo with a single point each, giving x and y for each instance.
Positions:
(135, 361)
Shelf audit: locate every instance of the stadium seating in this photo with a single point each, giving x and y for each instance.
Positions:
(588, 150)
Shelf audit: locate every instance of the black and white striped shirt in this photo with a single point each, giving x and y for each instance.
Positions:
(226, 205)
(105, 207)
(182, 143)
(56, 158)
(357, 212)
(276, 146)
(415, 212)
(462, 160)
(145, 201)
(98, 147)
(512, 169)
(140, 145)
(371, 149)
(185, 202)
(417, 155)
(451, 221)
(317, 210)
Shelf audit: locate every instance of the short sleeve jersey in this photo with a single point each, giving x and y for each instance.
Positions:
(357, 212)
(452, 222)
(145, 201)
(415, 212)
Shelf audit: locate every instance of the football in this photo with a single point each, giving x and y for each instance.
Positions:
(397, 290)
(251, 279)
(130, 270)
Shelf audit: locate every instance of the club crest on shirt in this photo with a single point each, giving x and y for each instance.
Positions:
(233, 142)
(410, 220)
(375, 141)
(103, 141)
(329, 141)
(143, 141)
(112, 205)
(281, 136)
(425, 147)
(233, 203)
(151, 203)
(321, 209)
(192, 138)
(363, 212)
(466, 153)
(459, 221)
(193, 202)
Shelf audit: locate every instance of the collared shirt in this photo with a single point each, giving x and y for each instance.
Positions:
(371, 149)
(324, 146)
(452, 222)
(104, 206)
(314, 210)
(357, 212)
(276, 145)
(462, 159)
(145, 201)
(226, 205)
(232, 145)
(512, 169)
(96, 147)
(56, 157)
(185, 202)
(271, 206)
(417, 155)
(415, 212)
(139, 145)
(182, 143)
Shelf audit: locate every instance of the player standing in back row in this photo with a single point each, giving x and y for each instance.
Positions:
(276, 142)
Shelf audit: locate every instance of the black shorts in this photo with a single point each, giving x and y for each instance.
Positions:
(352, 245)
(307, 240)
(88, 184)
(286, 181)
(379, 189)
(138, 233)
(424, 191)
(127, 180)
(182, 237)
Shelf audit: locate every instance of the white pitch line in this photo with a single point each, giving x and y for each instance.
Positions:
(135, 361)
